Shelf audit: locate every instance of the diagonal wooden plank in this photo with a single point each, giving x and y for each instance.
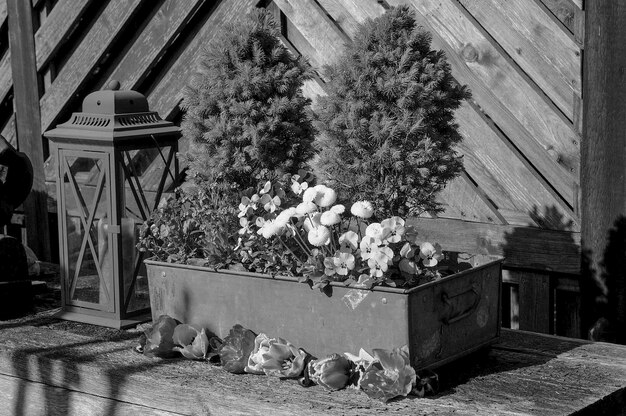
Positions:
(548, 142)
(569, 15)
(165, 96)
(48, 39)
(6, 76)
(341, 15)
(8, 131)
(461, 201)
(313, 23)
(154, 40)
(57, 27)
(535, 42)
(502, 173)
(85, 58)
(363, 9)
(3, 12)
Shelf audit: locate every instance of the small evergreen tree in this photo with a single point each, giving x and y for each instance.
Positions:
(245, 112)
(387, 126)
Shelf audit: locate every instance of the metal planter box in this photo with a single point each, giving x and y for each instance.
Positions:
(439, 321)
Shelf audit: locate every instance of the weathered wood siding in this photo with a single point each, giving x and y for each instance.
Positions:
(518, 194)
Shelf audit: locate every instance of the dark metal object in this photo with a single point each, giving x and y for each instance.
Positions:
(101, 201)
(16, 180)
(439, 321)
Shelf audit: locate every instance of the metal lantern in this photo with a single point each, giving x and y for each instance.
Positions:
(113, 162)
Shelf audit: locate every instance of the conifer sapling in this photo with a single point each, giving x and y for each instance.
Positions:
(245, 112)
(387, 126)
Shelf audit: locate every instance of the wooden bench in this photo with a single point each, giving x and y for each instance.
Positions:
(46, 368)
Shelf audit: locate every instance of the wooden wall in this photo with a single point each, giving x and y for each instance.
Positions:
(518, 195)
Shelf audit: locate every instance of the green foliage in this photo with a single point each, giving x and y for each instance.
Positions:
(245, 111)
(387, 126)
(196, 222)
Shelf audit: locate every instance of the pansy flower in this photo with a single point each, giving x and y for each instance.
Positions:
(348, 241)
(270, 204)
(298, 187)
(407, 251)
(266, 188)
(378, 265)
(245, 226)
(369, 247)
(408, 267)
(341, 263)
(246, 206)
(377, 231)
(395, 227)
(430, 254)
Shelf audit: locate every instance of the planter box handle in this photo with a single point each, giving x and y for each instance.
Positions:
(456, 315)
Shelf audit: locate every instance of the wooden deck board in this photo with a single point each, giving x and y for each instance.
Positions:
(524, 374)
(527, 247)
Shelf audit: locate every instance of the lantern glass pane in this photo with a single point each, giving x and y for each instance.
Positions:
(88, 258)
(148, 174)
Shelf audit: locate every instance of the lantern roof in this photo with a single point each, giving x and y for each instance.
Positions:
(114, 116)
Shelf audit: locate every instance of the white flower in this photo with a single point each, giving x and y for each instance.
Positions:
(270, 204)
(319, 236)
(271, 228)
(348, 241)
(430, 254)
(284, 217)
(306, 208)
(246, 206)
(298, 188)
(338, 209)
(330, 218)
(374, 230)
(309, 195)
(394, 229)
(312, 221)
(362, 209)
(163, 203)
(325, 196)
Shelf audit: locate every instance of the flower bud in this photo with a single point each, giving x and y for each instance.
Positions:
(332, 372)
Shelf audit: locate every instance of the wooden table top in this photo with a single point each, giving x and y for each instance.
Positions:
(48, 369)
